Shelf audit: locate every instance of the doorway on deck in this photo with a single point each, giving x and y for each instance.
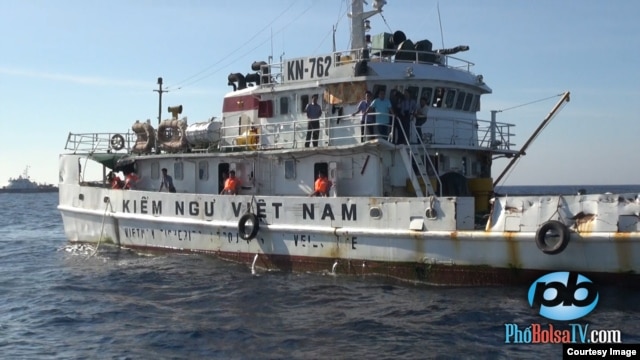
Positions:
(223, 174)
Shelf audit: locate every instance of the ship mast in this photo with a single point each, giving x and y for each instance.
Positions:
(358, 17)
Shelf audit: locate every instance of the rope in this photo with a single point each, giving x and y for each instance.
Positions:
(104, 216)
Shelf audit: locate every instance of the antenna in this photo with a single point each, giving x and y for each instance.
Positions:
(440, 22)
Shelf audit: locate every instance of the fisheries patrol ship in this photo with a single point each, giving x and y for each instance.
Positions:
(407, 201)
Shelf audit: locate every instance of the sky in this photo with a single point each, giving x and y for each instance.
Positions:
(85, 66)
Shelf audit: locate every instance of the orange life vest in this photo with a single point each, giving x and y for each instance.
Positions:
(322, 185)
(232, 184)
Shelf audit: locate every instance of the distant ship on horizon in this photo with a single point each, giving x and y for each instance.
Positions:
(24, 184)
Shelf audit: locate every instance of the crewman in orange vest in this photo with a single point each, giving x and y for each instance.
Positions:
(232, 184)
(321, 186)
(114, 180)
(130, 181)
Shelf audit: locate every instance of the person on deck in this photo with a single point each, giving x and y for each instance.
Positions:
(368, 121)
(130, 181)
(383, 108)
(321, 186)
(167, 181)
(232, 184)
(421, 116)
(114, 181)
(314, 111)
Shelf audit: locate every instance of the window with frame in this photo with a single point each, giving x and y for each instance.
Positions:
(427, 93)
(460, 100)
(290, 169)
(304, 101)
(284, 105)
(178, 171)
(203, 170)
(449, 97)
(468, 99)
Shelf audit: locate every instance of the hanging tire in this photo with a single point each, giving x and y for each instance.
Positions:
(552, 229)
(117, 142)
(242, 226)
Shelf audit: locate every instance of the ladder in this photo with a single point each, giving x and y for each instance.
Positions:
(413, 158)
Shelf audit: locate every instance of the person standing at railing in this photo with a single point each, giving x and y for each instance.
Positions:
(383, 108)
(314, 111)
(367, 121)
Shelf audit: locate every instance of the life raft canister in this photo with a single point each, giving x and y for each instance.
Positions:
(242, 226)
(249, 138)
(552, 228)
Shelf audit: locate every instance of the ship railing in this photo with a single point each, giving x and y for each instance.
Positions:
(99, 142)
(502, 135)
(347, 130)
(334, 131)
(273, 73)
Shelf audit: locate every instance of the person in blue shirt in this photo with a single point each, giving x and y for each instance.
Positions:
(383, 108)
(367, 121)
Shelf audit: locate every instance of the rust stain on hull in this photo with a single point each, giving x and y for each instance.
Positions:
(624, 250)
(512, 249)
(412, 272)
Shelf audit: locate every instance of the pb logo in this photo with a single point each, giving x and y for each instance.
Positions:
(563, 295)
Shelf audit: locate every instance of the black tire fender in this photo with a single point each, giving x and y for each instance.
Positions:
(556, 227)
(242, 226)
(117, 142)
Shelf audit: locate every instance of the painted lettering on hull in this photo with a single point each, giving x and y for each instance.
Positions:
(207, 209)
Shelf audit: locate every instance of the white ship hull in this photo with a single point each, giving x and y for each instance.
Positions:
(318, 233)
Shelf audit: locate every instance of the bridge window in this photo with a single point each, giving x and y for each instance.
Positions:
(438, 98)
(468, 99)
(427, 93)
(460, 100)
(449, 97)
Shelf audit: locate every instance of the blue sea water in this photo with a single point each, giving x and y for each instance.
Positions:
(60, 301)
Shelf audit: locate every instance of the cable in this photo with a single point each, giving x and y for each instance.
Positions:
(186, 81)
(529, 103)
